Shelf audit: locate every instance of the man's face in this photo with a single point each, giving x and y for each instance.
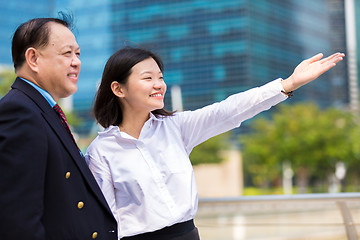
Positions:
(59, 63)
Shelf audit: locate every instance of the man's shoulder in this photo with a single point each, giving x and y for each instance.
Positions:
(18, 108)
(16, 99)
(23, 95)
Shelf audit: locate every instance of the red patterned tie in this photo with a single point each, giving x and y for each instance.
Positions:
(64, 122)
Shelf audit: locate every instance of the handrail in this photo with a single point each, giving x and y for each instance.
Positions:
(310, 196)
(339, 198)
(348, 221)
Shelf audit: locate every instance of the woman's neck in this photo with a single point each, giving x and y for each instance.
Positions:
(133, 123)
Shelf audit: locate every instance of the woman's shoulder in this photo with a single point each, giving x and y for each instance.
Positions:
(104, 137)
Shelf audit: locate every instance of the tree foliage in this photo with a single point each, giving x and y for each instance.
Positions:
(7, 77)
(312, 140)
(210, 150)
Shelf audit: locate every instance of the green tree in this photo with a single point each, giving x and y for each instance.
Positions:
(7, 77)
(73, 118)
(312, 140)
(210, 150)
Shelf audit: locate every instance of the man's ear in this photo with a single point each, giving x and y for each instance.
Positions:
(117, 89)
(31, 58)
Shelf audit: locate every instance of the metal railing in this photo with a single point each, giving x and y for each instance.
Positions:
(298, 216)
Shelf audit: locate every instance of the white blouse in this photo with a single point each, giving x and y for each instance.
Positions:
(149, 182)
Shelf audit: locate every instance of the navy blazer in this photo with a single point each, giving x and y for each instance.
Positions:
(46, 188)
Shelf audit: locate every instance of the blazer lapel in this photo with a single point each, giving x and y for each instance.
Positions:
(54, 121)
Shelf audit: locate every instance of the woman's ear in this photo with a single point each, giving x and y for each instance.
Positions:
(31, 58)
(117, 89)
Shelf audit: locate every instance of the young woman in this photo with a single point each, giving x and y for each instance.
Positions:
(141, 159)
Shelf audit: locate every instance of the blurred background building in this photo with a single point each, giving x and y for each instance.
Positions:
(211, 48)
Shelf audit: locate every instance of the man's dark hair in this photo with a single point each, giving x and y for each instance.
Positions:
(34, 33)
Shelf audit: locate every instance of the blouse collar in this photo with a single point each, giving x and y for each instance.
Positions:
(115, 129)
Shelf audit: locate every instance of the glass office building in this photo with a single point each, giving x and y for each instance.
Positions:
(211, 48)
(339, 80)
(12, 14)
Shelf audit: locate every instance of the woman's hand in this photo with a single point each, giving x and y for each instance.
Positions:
(309, 69)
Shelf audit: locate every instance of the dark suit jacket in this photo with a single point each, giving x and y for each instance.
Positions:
(46, 189)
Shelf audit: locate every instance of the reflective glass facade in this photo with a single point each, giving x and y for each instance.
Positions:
(340, 90)
(211, 48)
(12, 14)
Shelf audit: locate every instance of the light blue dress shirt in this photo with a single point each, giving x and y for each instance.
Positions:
(44, 93)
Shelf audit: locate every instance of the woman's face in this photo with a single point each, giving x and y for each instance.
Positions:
(145, 88)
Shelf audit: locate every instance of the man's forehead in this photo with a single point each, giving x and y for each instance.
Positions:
(61, 36)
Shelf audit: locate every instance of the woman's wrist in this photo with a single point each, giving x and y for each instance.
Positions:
(287, 85)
